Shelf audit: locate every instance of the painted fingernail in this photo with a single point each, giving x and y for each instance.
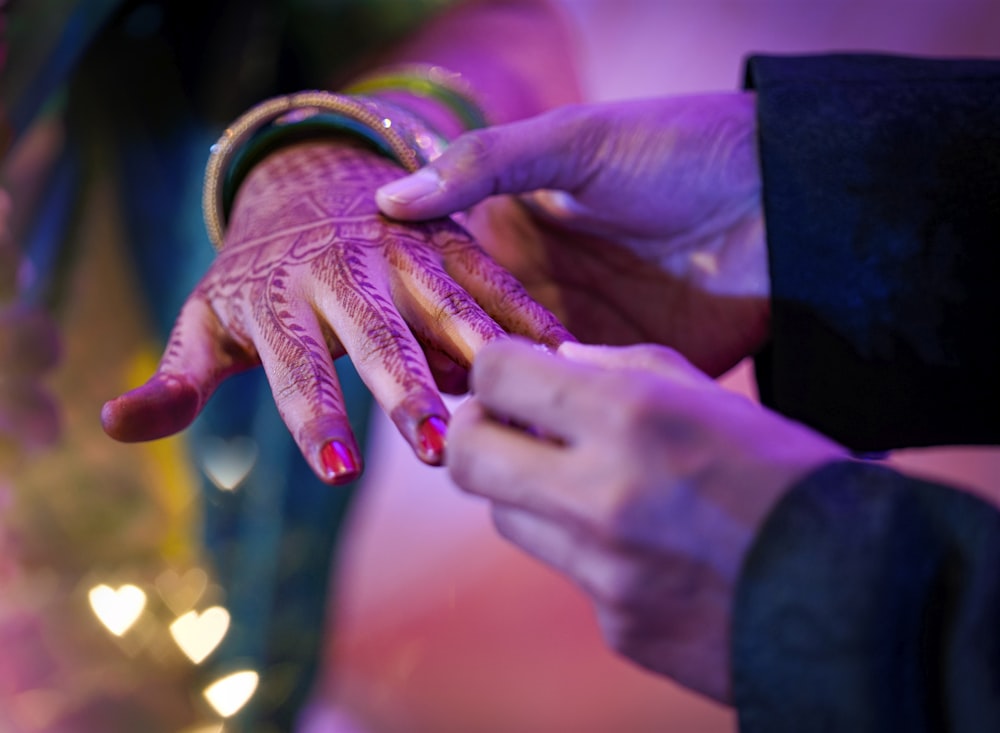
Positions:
(432, 434)
(338, 462)
(421, 184)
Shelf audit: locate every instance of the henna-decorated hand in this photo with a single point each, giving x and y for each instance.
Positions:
(310, 271)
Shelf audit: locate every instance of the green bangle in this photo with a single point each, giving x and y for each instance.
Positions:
(284, 120)
(432, 82)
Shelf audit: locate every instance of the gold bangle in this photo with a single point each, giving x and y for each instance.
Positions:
(395, 132)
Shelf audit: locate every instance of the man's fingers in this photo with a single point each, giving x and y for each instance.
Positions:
(531, 386)
(199, 355)
(544, 539)
(502, 463)
(542, 500)
(653, 358)
(521, 156)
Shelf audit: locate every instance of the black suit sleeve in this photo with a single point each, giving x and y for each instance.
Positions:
(870, 603)
(882, 201)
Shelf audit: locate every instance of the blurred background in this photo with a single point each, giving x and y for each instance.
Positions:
(436, 625)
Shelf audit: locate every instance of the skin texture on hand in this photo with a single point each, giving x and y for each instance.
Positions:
(311, 271)
(642, 221)
(641, 480)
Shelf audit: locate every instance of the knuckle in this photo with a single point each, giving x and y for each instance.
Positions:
(634, 408)
(473, 154)
(584, 130)
(614, 515)
(382, 340)
(298, 379)
(456, 304)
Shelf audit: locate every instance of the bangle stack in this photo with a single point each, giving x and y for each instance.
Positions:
(283, 120)
(280, 121)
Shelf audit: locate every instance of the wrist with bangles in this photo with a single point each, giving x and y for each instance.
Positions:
(396, 133)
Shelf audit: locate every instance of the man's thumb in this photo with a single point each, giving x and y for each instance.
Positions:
(506, 159)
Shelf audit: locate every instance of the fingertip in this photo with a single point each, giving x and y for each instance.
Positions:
(575, 351)
(108, 417)
(340, 464)
(432, 439)
(503, 348)
(413, 196)
(422, 419)
(161, 407)
(493, 358)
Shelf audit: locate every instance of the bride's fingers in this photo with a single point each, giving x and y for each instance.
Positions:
(439, 311)
(307, 393)
(353, 295)
(500, 294)
(199, 355)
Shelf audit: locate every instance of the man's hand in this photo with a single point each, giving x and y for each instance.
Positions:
(644, 222)
(640, 479)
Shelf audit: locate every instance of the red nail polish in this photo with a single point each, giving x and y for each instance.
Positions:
(432, 434)
(338, 463)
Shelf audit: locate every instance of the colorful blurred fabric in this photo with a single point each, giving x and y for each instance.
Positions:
(119, 101)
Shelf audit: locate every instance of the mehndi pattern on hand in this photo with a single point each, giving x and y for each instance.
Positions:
(311, 271)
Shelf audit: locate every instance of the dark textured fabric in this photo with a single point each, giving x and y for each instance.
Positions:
(871, 603)
(882, 200)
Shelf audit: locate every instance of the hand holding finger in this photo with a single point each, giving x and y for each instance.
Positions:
(637, 221)
(641, 167)
(514, 158)
(640, 357)
(490, 457)
(651, 499)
